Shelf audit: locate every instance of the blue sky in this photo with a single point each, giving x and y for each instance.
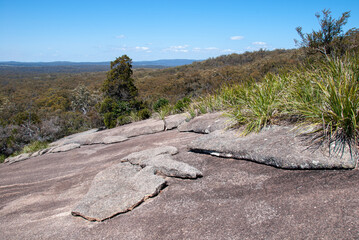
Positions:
(77, 30)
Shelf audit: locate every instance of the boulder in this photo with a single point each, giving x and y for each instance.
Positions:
(207, 123)
(174, 121)
(276, 146)
(118, 189)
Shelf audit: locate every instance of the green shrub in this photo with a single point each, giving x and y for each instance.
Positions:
(144, 114)
(182, 104)
(2, 158)
(122, 120)
(160, 103)
(110, 119)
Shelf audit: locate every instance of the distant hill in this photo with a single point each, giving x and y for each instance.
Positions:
(165, 62)
(77, 67)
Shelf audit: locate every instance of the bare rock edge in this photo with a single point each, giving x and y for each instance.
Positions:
(276, 146)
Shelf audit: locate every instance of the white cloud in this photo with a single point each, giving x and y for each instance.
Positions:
(142, 48)
(120, 36)
(237, 38)
(211, 48)
(228, 50)
(259, 43)
(181, 48)
(119, 49)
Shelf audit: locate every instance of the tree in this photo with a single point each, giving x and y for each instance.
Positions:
(119, 84)
(120, 93)
(329, 39)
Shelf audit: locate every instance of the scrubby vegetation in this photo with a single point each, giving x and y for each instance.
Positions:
(322, 92)
(315, 84)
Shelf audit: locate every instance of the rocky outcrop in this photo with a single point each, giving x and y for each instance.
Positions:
(162, 162)
(276, 146)
(122, 187)
(118, 189)
(65, 148)
(174, 121)
(207, 123)
(18, 158)
(149, 126)
(138, 157)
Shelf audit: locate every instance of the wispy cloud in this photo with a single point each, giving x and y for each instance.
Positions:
(180, 48)
(237, 37)
(142, 48)
(228, 50)
(259, 43)
(120, 36)
(211, 48)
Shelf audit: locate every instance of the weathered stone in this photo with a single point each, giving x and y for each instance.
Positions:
(118, 189)
(207, 123)
(160, 159)
(43, 151)
(144, 127)
(114, 139)
(18, 158)
(138, 157)
(74, 138)
(167, 166)
(174, 121)
(277, 146)
(65, 148)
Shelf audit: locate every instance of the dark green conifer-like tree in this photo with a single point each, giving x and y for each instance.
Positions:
(119, 84)
(120, 93)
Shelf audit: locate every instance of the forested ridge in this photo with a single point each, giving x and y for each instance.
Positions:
(37, 105)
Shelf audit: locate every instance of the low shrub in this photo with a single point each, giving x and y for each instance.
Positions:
(34, 146)
(160, 103)
(144, 114)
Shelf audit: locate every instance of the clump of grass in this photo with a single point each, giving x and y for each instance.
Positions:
(258, 104)
(2, 158)
(328, 97)
(33, 147)
(164, 111)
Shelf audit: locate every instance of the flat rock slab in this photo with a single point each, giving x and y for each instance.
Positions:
(118, 189)
(276, 146)
(234, 200)
(65, 148)
(18, 158)
(90, 138)
(138, 157)
(160, 159)
(166, 165)
(174, 121)
(74, 138)
(144, 127)
(207, 123)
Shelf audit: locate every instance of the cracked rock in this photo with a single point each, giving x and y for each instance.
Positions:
(161, 160)
(276, 146)
(118, 189)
